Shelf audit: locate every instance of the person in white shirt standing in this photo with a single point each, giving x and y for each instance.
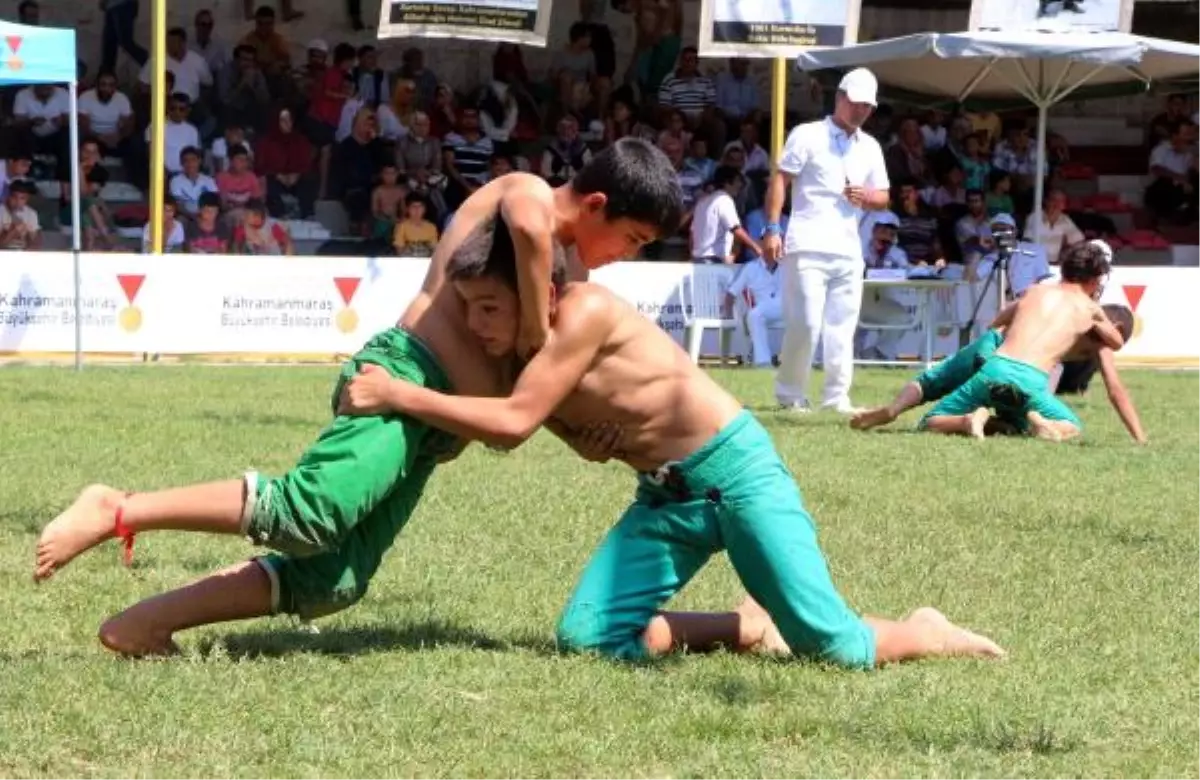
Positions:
(758, 284)
(715, 222)
(836, 171)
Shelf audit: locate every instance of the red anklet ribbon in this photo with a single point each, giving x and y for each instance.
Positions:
(124, 533)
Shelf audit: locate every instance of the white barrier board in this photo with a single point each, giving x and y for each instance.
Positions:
(329, 305)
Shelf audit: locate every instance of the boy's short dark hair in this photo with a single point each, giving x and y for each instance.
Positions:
(1121, 317)
(975, 192)
(578, 30)
(238, 150)
(343, 52)
(639, 182)
(1084, 262)
(209, 200)
(189, 150)
(725, 175)
(23, 186)
(256, 206)
(169, 201)
(416, 197)
(488, 253)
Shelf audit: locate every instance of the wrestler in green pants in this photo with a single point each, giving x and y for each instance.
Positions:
(733, 494)
(338, 510)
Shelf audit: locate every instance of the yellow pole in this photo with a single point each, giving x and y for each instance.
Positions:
(778, 107)
(158, 115)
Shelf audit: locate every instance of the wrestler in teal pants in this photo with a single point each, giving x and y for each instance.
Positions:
(733, 494)
(947, 376)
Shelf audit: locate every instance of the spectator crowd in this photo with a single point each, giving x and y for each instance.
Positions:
(255, 142)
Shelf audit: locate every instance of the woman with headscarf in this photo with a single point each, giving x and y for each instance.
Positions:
(284, 159)
(396, 117)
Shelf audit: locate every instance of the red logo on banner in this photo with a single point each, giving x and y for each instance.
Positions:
(14, 43)
(347, 286)
(347, 319)
(1133, 294)
(131, 284)
(130, 318)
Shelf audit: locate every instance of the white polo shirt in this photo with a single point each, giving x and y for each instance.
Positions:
(26, 105)
(823, 159)
(104, 118)
(187, 192)
(177, 136)
(1166, 156)
(191, 73)
(713, 224)
(755, 277)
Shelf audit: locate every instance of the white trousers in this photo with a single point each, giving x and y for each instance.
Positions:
(821, 295)
(759, 320)
(879, 308)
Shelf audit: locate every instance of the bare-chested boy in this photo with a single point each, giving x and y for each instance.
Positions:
(940, 380)
(1039, 331)
(709, 480)
(336, 513)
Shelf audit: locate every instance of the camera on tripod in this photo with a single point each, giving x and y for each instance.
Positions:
(1004, 233)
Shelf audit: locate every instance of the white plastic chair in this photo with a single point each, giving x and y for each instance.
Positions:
(914, 320)
(702, 293)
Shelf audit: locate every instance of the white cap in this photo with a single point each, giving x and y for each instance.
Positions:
(1003, 219)
(316, 44)
(887, 218)
(860, 86)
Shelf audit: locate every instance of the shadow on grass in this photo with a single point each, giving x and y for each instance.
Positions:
(351, 641)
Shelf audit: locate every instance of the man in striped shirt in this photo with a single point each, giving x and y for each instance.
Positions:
(466, 157)
(695, 95)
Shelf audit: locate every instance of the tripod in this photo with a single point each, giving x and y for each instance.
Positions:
(998, 275)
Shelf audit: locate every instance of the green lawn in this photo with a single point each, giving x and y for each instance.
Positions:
(1080, 559)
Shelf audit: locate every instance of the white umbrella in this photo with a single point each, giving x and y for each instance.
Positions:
(1041, 67)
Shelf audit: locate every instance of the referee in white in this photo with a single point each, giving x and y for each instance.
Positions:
(836, 172)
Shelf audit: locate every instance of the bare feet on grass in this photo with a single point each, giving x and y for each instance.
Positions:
(758, 631)
(872, 418)
(85, 524)
(948, 640)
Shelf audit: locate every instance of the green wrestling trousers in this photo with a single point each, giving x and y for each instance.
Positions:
(342, 505)
(733, 494)
(1010, 387)
(947, 376)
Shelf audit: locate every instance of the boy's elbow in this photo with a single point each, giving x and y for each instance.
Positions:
(513, 430)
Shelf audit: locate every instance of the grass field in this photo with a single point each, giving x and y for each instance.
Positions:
(1080, 559)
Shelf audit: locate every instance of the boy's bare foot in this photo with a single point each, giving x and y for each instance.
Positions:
(947, 639)
(977, 422)
(85, 524)
(872, 418)
(758, 632)
(133, 634)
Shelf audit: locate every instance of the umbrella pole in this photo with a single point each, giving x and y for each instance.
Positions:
(1039, 179)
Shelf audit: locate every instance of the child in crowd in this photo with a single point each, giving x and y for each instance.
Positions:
(387, 201)
(238, 185)
(207, 234)
(952, 191)
(235, 135)
(999, 198)
(415, 235)
(174, 239)
(257, 234)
